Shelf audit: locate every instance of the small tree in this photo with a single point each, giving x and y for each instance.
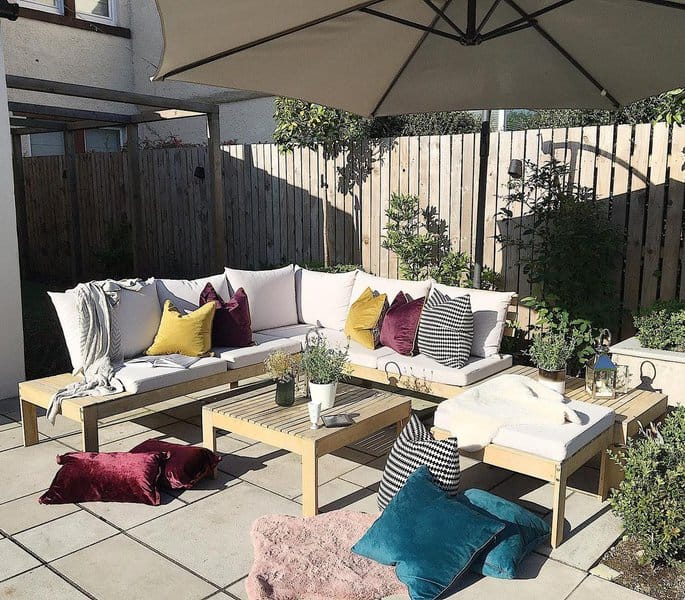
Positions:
(420, 240)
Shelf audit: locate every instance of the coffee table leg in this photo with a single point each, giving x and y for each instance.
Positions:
(310, 482)
(209, 436)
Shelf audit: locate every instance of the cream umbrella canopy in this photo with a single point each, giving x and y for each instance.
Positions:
(388, 57)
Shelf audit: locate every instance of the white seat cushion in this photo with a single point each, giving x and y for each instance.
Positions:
(141, 377)
(236, 358)
(185, 293)
(271, 295)
(390, 287)
(358, 354)
(298, 331)
(556, 442)
(489, 316)
(323, 299)
(423, 367)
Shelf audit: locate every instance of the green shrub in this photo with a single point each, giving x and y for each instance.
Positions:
(662, 326)
(420, 240)
(317, 266)
(323, 364)
(551, 351)
(651, 499)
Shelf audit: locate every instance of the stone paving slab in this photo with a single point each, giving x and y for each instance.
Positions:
(120, 568)
(594, 588)
(39, 584)
(24, 513)
(14, 559)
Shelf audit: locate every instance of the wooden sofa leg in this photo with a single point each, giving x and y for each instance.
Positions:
(89, 431)
(233, 385)
(559, 505)
(29, 423)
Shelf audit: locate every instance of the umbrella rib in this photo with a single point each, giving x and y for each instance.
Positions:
(487, 16)
(412, 24)
(441, 14)
(559, 48)
(269, 38)
(664, 4)
(406, 62)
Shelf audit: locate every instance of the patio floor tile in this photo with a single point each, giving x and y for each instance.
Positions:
(482, 476)
(39, 584)
(14, 559)
(119, 568)
(65, 535)
(238, 589)
(594, 587)
(533, 494)
(9, 407)
(590, 529)
(126, 515)
(11, 435)
(212, 536)
(206, 488)
(366, 475)
(24, 513)
(28, 470)
(338, 494)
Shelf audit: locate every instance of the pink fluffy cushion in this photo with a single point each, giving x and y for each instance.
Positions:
(186, 465)
(106, 477)
(311, 557)
(401, 324)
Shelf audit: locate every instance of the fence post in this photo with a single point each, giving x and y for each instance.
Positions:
(216, 181)
(134, 195)
(73, 207)
(20, 206)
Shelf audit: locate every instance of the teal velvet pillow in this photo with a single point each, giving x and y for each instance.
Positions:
(522, 533)
(429, 537)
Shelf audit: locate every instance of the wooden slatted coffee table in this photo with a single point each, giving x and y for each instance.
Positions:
(254, 414)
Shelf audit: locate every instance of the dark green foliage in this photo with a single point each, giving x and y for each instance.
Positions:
(672, 107)
(643, 111)
(300, 123)
(316, 266)
(651, 498)
(662, 325)
(115, 258)
(566, 244)
(420, 240)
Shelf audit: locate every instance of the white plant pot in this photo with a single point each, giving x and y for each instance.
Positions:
(554, 380)
(323, 394)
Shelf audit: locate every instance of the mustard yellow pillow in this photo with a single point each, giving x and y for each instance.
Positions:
(365, 318)
(189, 334)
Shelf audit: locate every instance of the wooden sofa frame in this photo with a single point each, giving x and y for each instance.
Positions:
(88, 410)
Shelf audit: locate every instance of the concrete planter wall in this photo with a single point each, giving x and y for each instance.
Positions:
(661, 369)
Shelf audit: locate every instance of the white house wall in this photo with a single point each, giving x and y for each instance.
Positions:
(11, 333)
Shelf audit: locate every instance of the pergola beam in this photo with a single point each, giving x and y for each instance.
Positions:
(94, 93)
(24, 108)
(39, 124)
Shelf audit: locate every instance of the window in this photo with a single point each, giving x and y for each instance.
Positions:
(51, 6)
(47, 144)
(101, 11)
(103, 140)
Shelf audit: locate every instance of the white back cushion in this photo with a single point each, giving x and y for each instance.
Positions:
(489, 316)
(271, 295)
(65, 305)
(391, 287)
(185, 293)
(323, 298)
(138, 314)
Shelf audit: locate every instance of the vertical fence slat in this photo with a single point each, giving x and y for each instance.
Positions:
(674, 216)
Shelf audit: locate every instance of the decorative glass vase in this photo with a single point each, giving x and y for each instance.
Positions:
(285, 393)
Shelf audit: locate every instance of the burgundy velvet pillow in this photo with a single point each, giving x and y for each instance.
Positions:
(106, 477)
(232, 326)
(401, 324)
(186, 465)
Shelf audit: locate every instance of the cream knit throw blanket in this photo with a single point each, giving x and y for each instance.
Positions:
(100, 340)
(476, 416)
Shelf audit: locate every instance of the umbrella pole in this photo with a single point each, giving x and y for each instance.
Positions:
(482, 192)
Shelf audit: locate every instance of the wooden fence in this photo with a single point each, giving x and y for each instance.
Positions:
(278, 205)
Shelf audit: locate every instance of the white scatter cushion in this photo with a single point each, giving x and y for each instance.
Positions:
(139, 316)
(271, 295)
(65, 305)
(391, 287)
(323, 299)
(185, 293)
(489, 316)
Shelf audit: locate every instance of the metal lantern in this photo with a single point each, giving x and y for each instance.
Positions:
(600, 378)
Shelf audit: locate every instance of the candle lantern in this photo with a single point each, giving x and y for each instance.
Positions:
(601, 372)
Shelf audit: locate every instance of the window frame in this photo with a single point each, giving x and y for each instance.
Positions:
(32, 5)
(119, 130)
(111, 20)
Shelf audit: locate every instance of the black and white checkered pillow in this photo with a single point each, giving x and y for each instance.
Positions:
(414, 447)
(446, 329)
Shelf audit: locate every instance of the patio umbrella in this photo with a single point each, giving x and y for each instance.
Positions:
(389, 57)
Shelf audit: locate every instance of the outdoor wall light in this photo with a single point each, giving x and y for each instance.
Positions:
(9, 10)
(516, 168)
(199, 172)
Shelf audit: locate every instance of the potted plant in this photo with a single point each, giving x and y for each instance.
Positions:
(324, 367)
(550, 352)
(283, 369)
